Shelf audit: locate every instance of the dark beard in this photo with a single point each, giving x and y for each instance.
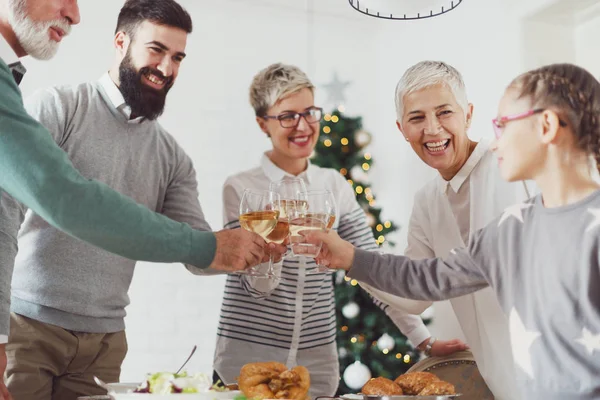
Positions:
(143, 100)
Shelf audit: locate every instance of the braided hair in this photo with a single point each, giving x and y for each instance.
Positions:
(573, 93)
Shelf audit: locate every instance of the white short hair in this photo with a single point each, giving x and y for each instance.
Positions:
(426, 74)
(274, 83)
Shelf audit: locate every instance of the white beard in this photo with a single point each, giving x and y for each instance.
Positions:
(33, 36)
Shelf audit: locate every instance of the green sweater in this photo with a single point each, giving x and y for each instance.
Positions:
(35, 171)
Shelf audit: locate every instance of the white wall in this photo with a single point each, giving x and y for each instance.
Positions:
(561, 31)
(208, 113)
(586, 44)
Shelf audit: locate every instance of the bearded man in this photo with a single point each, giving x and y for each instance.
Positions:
(68, 297)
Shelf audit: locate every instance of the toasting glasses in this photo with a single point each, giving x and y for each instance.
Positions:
(302, 210)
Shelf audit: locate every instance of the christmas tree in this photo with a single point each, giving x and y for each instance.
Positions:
(369, 343)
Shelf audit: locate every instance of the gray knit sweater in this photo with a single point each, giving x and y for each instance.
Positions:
(61, 280)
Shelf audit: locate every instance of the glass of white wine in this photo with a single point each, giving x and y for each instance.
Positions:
(319, 214)
(259, 213)
(293, 196)
(324, 200)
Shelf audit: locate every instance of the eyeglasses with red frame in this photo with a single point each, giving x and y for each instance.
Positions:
(499, 123)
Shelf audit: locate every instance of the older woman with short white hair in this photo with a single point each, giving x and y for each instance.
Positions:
(434, 115)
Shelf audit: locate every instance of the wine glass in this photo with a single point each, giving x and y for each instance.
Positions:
(326, 201)
(259, 213)
(319, 214)
(292, 192)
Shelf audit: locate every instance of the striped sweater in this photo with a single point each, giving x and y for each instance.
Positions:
(291, 320)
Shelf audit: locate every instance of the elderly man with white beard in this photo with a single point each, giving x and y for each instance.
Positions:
(37, 173)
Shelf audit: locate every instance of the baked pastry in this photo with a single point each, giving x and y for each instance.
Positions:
(381, 387)
(292, 384)
(438, 388)
(272, 380)
(413, 382)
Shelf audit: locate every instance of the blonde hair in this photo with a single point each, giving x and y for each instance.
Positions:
(426, 74)
(274, 83)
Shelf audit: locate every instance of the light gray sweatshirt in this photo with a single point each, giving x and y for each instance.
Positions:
(543, 264)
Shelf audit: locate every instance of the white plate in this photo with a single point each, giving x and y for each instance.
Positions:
(122, 387)
(212, 395)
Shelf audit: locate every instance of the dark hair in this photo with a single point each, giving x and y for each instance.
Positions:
(572, 92)
(161, 12)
